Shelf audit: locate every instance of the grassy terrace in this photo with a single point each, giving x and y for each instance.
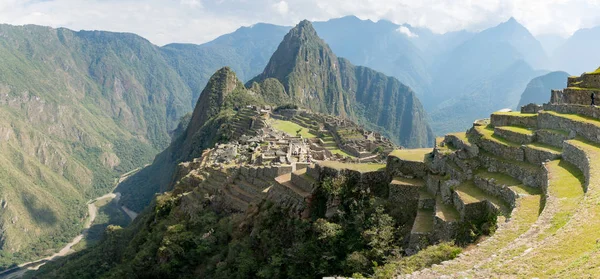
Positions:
(414, 155)
(470, 193)
(545, 147)
(423, 221)
(525, 215)
(488, 133)
(515, 129)
(567, 247)
(596, 72)
(329, 144)
(510, 182)
(584, 88)
(557, 132)
(444, 211)
(355, 167)
(515, 113)
(575, 117)
(291, 128)
(408, 181)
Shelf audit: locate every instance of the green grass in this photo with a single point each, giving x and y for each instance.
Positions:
(557, 132)
(525, 215)
(576, 117)
(355, 167)
(596, 72)
(415, 155)
(515, 129)
(516, 113)
(488, 133)
(444, 211)
(408, 181)
(424, 221)
(584, 88)
(291, 128)
(470, 193)
(545, 147)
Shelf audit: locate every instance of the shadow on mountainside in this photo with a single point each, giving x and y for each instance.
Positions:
(40, 213)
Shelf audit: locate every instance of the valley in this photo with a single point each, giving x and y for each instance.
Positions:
(340, 147)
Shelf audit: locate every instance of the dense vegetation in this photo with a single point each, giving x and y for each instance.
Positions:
(187, 236)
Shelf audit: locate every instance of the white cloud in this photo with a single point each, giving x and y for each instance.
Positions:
(197, 21)
(404, 30)
(281, 7)
(192, 3)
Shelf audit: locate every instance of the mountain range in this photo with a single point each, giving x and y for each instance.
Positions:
(302, 71)
(81, 108)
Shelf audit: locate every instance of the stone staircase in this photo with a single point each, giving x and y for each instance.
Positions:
(531, 169)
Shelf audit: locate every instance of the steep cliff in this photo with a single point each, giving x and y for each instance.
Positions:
(315, 78)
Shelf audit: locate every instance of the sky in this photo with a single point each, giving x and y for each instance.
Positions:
(199, 21)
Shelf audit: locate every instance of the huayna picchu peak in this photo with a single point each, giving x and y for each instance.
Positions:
(315, 78)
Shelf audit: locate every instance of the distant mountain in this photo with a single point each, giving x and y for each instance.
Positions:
(580, 52)
(499, 91)
(78, 109)
(246, 51)
(487, 72)
(538, 89)
(551, 42)
(314, 77)
(379, 45)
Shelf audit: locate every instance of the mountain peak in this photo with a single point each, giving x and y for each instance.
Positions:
(511, 24)
(303, 31)
(300, 55)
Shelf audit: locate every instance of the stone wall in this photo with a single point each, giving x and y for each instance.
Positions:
(500, 119)
(551, 137)
(577, 157)
(585, 110)
(531, 108)
(529, 175)
(471, 149)
(301, 181)
(502, 191)
(537, 156)
(586, 130)
(444, 230)
(397, 167)
(585, 80)
(406, 200)
(574, 96)
(513, 136)
(497, 148)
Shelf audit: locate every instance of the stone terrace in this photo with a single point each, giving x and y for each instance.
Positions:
(537, 171)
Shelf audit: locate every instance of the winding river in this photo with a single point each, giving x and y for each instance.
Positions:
(20, 270)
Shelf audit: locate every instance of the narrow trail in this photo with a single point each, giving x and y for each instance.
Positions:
(21, 269)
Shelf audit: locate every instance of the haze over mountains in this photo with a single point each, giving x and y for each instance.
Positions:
(447, 71)
(80, 108)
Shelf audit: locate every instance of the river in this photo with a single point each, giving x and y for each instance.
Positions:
(20, 270)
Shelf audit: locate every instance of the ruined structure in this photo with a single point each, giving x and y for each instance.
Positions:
(525, 172)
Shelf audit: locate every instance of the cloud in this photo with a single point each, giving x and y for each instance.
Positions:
(198, 21)
(192, 3)
(404, 30)
(281, 7)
